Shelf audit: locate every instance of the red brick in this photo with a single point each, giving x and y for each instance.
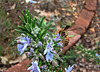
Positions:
(89, 7)
(91, 4)
(82, 22)
(20, 67)
(87, 15)
(77, 29)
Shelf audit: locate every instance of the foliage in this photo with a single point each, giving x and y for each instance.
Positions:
(45, 48)
(42, 47)
(6, 39)
(0, 50)
(89, 54)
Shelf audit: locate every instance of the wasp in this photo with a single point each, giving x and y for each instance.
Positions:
(63, 33)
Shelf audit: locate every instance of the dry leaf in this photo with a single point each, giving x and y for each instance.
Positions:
(4, 59)
(74, 8)
(68, 14)
(43, 13)
(22, 2)
(71, 3)
(75, 14)
(19, 59)
(13, 6)
(56, 13)
(92, 29)
(63, 9)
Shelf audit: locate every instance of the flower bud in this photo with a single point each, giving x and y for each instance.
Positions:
(31, 50)
(40, 44)
(29, 54)
(27, 1)
(41, 56)
(96, 54)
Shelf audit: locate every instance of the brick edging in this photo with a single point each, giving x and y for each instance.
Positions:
(20, 67)
(85, 16)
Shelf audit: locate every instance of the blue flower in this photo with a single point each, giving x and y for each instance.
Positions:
(49, 57)
(31, 1)
(96, 54)
(24, 43)
(43, 67)
(48, 50)
(40, 44)
(69, 69)
(29, 54)
(31, 50)
(57, 38)
(34, 67)
(60, 44)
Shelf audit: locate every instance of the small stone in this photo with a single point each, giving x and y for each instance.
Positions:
(85, 35)
(82, 65)
(83, 60)
(78, 52)
(92, 29)
(4, 59)
(84, 70)
(91, 65)
(81, 69)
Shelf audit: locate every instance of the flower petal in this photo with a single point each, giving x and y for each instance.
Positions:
(51, 42)
(45, 51)
(40, 44)
(37, 69)
(20, 47)
(31, 71)
(30, 68)
(57, 34)
(32, 1)
(69, 68)
(61, 44)
(34, 63)
(22, 41)
(31, 50)
(23, 48)
(49, 57)
(96, 54)
(52, 50)
(65, 70)
(28, 39)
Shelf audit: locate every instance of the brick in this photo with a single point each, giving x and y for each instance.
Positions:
(77, 29)
(91, 4)
(82, 22)
(87, 15)
(89, 7)
(20, 67)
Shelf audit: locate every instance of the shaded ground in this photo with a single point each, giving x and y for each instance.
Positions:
(91, 40)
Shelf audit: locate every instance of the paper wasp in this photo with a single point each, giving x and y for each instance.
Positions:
(63, 33)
